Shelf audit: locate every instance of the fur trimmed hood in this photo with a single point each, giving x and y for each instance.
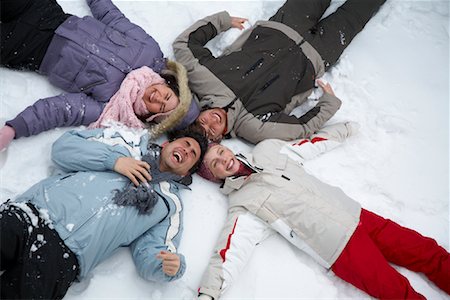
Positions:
(185, 105)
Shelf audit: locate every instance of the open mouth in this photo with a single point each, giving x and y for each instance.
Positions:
(230, 165)
(217, 117)
(178, 156)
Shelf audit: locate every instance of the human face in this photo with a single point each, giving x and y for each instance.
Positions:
(179, 156)
(221, 162)
(159, 98)
(213, 121)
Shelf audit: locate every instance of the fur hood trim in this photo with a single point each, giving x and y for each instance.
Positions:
(177, 70)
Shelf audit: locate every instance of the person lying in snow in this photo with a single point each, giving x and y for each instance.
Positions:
(269, 190)
(89, 58)
(250, 90)
(62, 227)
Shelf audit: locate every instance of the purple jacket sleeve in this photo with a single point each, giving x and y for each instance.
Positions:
(59, 111)
(107, 13)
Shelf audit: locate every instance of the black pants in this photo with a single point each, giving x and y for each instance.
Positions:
(36, 262)
(27, 28)
(331, 35)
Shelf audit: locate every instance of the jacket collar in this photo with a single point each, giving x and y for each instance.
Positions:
(233, 183)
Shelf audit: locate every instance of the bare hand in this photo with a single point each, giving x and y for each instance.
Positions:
(325, 87)
(133, 169)
(170, 262)
(237, 22)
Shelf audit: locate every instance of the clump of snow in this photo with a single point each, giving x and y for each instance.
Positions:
(70, 226)
(40, 237)
(117, 134)
(45, 217)
(27, 210)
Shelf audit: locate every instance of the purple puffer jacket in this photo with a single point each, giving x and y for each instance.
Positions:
(89, 58)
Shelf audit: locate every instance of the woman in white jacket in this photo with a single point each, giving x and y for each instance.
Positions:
(269, 190)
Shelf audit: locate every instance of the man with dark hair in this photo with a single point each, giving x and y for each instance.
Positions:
(252, 88)
(198, 135)
(62, 227)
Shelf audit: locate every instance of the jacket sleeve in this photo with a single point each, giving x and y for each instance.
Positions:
(60, 111)
(189, 49)
(106, 12)
(74, 151)
(322, 141)
(283, 126)
(241, 233)
(165, 236)
(189, 46)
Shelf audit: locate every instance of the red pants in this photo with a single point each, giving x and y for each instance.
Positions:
(377, 241)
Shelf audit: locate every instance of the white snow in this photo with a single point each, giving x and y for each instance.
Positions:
(393, 79)
(129, 137)
(40, 238)
(70, 226)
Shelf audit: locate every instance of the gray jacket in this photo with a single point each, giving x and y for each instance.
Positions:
(259, 88)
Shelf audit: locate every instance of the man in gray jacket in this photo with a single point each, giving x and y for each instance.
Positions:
(269, 191)
(270, 69)
(62, 227)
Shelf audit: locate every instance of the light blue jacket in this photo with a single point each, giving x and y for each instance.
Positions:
(80, 206)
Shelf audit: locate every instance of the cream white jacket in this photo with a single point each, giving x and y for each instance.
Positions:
(280, 196)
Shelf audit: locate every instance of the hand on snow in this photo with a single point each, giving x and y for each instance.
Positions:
(326, 87)
(170, 262)
(238, 23)
(7, 134)
(133, 169)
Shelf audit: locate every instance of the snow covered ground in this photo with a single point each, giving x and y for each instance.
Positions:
(393, 80)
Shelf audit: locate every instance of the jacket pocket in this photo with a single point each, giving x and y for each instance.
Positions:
(252, 199)
(92, 84)
(116, 37)
(91, 75)
(265, 213)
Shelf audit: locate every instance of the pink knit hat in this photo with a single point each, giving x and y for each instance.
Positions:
(204, 171)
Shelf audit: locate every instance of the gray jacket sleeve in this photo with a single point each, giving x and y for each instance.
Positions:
(190, 44)
(189, 49)
(281, 125)
(65, 110)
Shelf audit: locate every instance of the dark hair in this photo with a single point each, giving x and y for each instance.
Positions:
(198, 128)
(172, 82)
(198, 136)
